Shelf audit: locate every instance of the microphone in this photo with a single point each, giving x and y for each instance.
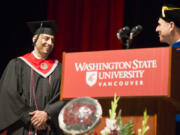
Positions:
(125, 35)
(135, 31)
(123, 32)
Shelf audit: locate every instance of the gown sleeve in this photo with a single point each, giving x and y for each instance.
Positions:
(12, 106)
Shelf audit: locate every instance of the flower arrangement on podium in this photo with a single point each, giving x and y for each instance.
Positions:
(115, 125)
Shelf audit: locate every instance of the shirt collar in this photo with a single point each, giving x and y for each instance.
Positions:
(33, 52)
(178, 40)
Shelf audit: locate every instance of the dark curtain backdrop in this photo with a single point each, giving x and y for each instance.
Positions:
(86, 25)
(145, 13)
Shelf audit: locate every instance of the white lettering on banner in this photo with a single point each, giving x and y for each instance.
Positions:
(102, 66)
(121, 74)
(120, 83)
(135, 64)
(107, 71)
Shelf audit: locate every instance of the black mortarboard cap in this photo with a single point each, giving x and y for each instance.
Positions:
(42, 27)
(171, 13)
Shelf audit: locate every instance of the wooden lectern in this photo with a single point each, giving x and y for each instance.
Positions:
(143, 78)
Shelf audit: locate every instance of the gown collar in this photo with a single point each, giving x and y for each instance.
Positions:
(43, 67)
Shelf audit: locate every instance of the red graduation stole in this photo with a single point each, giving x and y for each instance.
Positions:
(43, 67)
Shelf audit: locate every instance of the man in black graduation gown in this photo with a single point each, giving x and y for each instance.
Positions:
(30, 87)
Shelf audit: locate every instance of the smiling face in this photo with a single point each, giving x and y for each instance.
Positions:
(44, 45)
(164, 30)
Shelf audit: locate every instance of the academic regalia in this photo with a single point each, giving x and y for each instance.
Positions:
(25, 86)
(170, 13)
(176, 45)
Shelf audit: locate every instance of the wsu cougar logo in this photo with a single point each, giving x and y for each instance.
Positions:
(91, 78)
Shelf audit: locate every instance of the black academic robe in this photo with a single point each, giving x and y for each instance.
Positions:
(17, 98)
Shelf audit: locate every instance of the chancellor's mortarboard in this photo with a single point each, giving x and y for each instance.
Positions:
(171, 13)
